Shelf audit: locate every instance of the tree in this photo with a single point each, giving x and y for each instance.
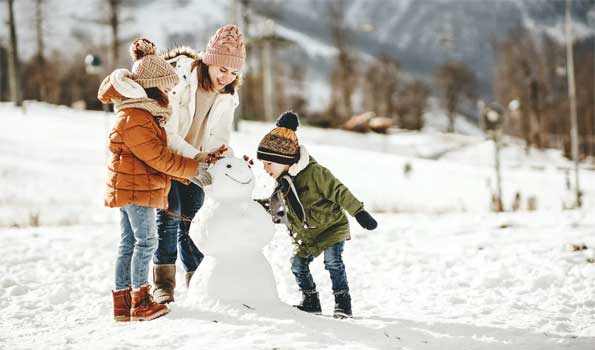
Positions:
(532, 70)
(412, 102)
(114, 23)
(13, 58)
(39, 75)
(344, 74)
(522, 74)
(294, 91)
(455, 82)
(381, 85)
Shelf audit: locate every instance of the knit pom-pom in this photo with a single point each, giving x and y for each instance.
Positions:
(140, 48)
(288, 120)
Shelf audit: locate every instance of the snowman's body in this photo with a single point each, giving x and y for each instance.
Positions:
(235, 234)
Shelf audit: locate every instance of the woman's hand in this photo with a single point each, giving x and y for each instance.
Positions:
(202, 157)
(213, 157)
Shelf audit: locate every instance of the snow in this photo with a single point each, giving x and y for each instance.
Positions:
(440, 272)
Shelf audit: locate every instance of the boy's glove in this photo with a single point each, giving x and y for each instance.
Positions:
(366, 220)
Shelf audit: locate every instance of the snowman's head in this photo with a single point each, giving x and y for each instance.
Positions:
(232, 178)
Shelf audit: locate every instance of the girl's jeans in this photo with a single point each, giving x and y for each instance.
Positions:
(137, 245)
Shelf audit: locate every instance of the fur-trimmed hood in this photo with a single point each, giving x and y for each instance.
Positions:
(119, 86)
(176, 52)
(302, 163)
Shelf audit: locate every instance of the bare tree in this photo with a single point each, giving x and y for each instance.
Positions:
(522, 64)
(41, 68)
(381, 85)
(3, 70)
(455, 82)
(13, 58)
(344, 74)
(114, 23)
(532, 70)
(294, 82)
(242, 10)
(412, 102)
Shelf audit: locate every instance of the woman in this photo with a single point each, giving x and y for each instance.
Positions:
(139, 172)
(203, 105)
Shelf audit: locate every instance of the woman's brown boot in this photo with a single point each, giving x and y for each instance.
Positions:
(143, 307)
(122, 302)
(164, 279)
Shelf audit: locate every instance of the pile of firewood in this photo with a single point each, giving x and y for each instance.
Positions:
(367, 122)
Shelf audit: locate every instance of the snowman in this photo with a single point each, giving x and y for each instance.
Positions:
(236, 230)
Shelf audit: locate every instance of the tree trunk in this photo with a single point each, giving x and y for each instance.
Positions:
(451, 122)
(114, 7)
(41, 66)
(13, 59)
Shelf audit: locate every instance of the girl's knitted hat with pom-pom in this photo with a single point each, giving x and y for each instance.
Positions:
(150, 70)
(226, 48)
(281, 144)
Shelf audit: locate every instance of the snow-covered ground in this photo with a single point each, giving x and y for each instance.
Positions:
(441, 271)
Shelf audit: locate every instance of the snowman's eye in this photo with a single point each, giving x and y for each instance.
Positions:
(228, 166)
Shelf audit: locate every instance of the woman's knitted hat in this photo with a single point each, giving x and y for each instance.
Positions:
(150, 70)
(226, 48)
(281, 144)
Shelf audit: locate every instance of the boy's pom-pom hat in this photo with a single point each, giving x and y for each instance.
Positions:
(288, 120)
(150, 70)
(281, 144)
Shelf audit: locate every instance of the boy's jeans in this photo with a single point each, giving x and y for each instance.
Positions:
(137, 245)
(184, 200)
(333, 263)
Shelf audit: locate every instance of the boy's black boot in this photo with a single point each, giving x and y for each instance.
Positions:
(310, 302)
(342, 305)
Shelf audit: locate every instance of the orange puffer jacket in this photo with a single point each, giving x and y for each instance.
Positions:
(141, 166)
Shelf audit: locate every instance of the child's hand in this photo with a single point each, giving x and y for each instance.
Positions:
(202, 180)
(366, 220)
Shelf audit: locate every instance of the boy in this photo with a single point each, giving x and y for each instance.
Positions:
(310, 201)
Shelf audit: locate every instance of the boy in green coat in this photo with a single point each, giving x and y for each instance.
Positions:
(310, 201)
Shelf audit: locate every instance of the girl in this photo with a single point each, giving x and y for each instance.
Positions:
(203, 106)
(139, 172)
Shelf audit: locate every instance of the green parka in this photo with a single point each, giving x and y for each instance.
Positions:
(323, 199)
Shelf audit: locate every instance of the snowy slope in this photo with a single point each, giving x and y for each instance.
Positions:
(441, 272)
(449, 172)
